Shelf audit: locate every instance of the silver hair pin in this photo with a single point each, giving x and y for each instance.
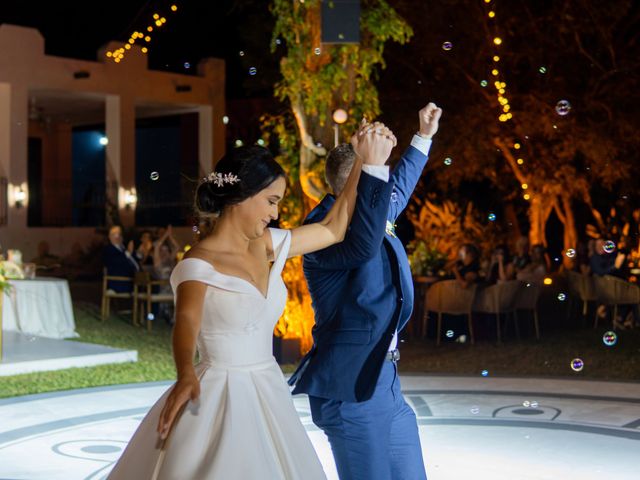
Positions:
(220, 179)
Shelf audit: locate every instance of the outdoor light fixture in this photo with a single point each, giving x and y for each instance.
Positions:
(339, 117)
(18, 195)
(127, 198)
(104, 141)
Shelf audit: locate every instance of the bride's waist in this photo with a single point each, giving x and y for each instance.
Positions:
(224, 364)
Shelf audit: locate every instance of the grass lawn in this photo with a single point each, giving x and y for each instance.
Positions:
(550, 357)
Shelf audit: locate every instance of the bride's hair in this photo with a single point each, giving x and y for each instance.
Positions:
(254, 168)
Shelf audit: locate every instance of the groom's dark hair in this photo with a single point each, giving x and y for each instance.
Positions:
(338, 166)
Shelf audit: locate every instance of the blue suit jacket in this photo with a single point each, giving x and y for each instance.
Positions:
(361, 290)
(117, 264)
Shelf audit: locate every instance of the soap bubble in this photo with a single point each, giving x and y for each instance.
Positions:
(485, 373)
(492, 217)
(449, 333)
(317, 51)
(577, 364)
(253, 71)
(448, 161)
(484, 83)
(447, 46)
(151, 317)
(154, 176)
(562, 297)
(542, 69)
(563, 107)
(610, 338)
(570, 253)
(609, 246)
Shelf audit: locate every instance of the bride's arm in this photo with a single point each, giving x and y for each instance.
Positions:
(370, 147)
(189, 302)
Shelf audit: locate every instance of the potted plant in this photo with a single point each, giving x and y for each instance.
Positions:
(425, 259)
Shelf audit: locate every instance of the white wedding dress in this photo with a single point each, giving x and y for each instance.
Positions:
(244, 425)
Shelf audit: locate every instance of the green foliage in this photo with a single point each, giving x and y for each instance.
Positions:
(340, 76)
(425, 258)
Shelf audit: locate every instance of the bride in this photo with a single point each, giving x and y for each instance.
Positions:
(231, 415)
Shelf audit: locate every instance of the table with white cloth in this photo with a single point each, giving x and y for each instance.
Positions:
(41, 307)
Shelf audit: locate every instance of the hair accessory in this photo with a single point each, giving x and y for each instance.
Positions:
(220, 179)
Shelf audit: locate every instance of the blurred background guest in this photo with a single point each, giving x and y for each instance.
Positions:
(119, 261)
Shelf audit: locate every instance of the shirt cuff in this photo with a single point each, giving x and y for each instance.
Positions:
(381, 172)
(421, 143)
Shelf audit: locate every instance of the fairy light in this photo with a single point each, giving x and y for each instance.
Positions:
(118, 54)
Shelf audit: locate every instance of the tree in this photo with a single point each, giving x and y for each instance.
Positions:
(580, 51)
(316, 80)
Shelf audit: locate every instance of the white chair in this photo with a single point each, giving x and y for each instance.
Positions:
(450, 298)
(498, 299)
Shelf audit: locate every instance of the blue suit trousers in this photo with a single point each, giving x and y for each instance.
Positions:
(376, 439)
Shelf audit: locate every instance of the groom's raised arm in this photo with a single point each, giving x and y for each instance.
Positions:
(366, 231)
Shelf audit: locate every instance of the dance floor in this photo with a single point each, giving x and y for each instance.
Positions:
(471, 428)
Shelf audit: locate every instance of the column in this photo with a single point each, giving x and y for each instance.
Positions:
(14, 120)
(120, 158)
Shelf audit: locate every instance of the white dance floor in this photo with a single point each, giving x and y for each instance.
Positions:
(471, 428)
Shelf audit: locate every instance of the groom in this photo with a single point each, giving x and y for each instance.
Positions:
(362, 296)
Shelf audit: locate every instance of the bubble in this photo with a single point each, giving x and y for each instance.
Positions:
(461, 339)
(239, 143)
(225, 120)
(449, 333)
(492, 217)
(187, 65)
(534, 404)
(475, 410)
(317, 51)
(447, 46)
(448, 161)
(260, 142)
(485, 373)
(570, 253)
(526, 404)
(241, 53)
(563, 107)
(154, 176)
(278, 41)
(253, 71)
(484, 83)
(609, 246)
(562, 297)
(577, 365)
(151, 317)
(610, 338)
(194, 228)
(542, 70)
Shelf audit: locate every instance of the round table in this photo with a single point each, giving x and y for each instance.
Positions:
(40, 307)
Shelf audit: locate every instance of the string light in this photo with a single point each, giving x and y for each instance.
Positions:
(118, 54)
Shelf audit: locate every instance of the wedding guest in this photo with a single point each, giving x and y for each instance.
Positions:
(119, 261)
(522, 258)
(498, 271)
(537, 268)
(466, 269)
(144, 252)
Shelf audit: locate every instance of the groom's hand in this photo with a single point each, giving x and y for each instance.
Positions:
(429, 117)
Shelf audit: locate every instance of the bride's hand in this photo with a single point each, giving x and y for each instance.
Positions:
(185, 389)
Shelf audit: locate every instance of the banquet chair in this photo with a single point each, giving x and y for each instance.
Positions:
(527, 300)
(582, 287)
(498, 299)
(108, 294)
(450, 298)
(614, 291)
(144, 297)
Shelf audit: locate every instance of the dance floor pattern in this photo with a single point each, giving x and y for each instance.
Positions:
(470, 428)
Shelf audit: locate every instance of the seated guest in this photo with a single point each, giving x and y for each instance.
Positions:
(467, 268)
(607, 263)
(144, 253)
(521, 259)
(119, 261)
(536, 269)
(498, 271)
(164, 260)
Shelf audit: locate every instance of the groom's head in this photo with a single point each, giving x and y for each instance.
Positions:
(338, 166)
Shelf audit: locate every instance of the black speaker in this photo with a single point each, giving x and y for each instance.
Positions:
(341, 21)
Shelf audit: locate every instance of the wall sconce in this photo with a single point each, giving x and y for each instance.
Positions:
(127, 199)
(18, 195)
